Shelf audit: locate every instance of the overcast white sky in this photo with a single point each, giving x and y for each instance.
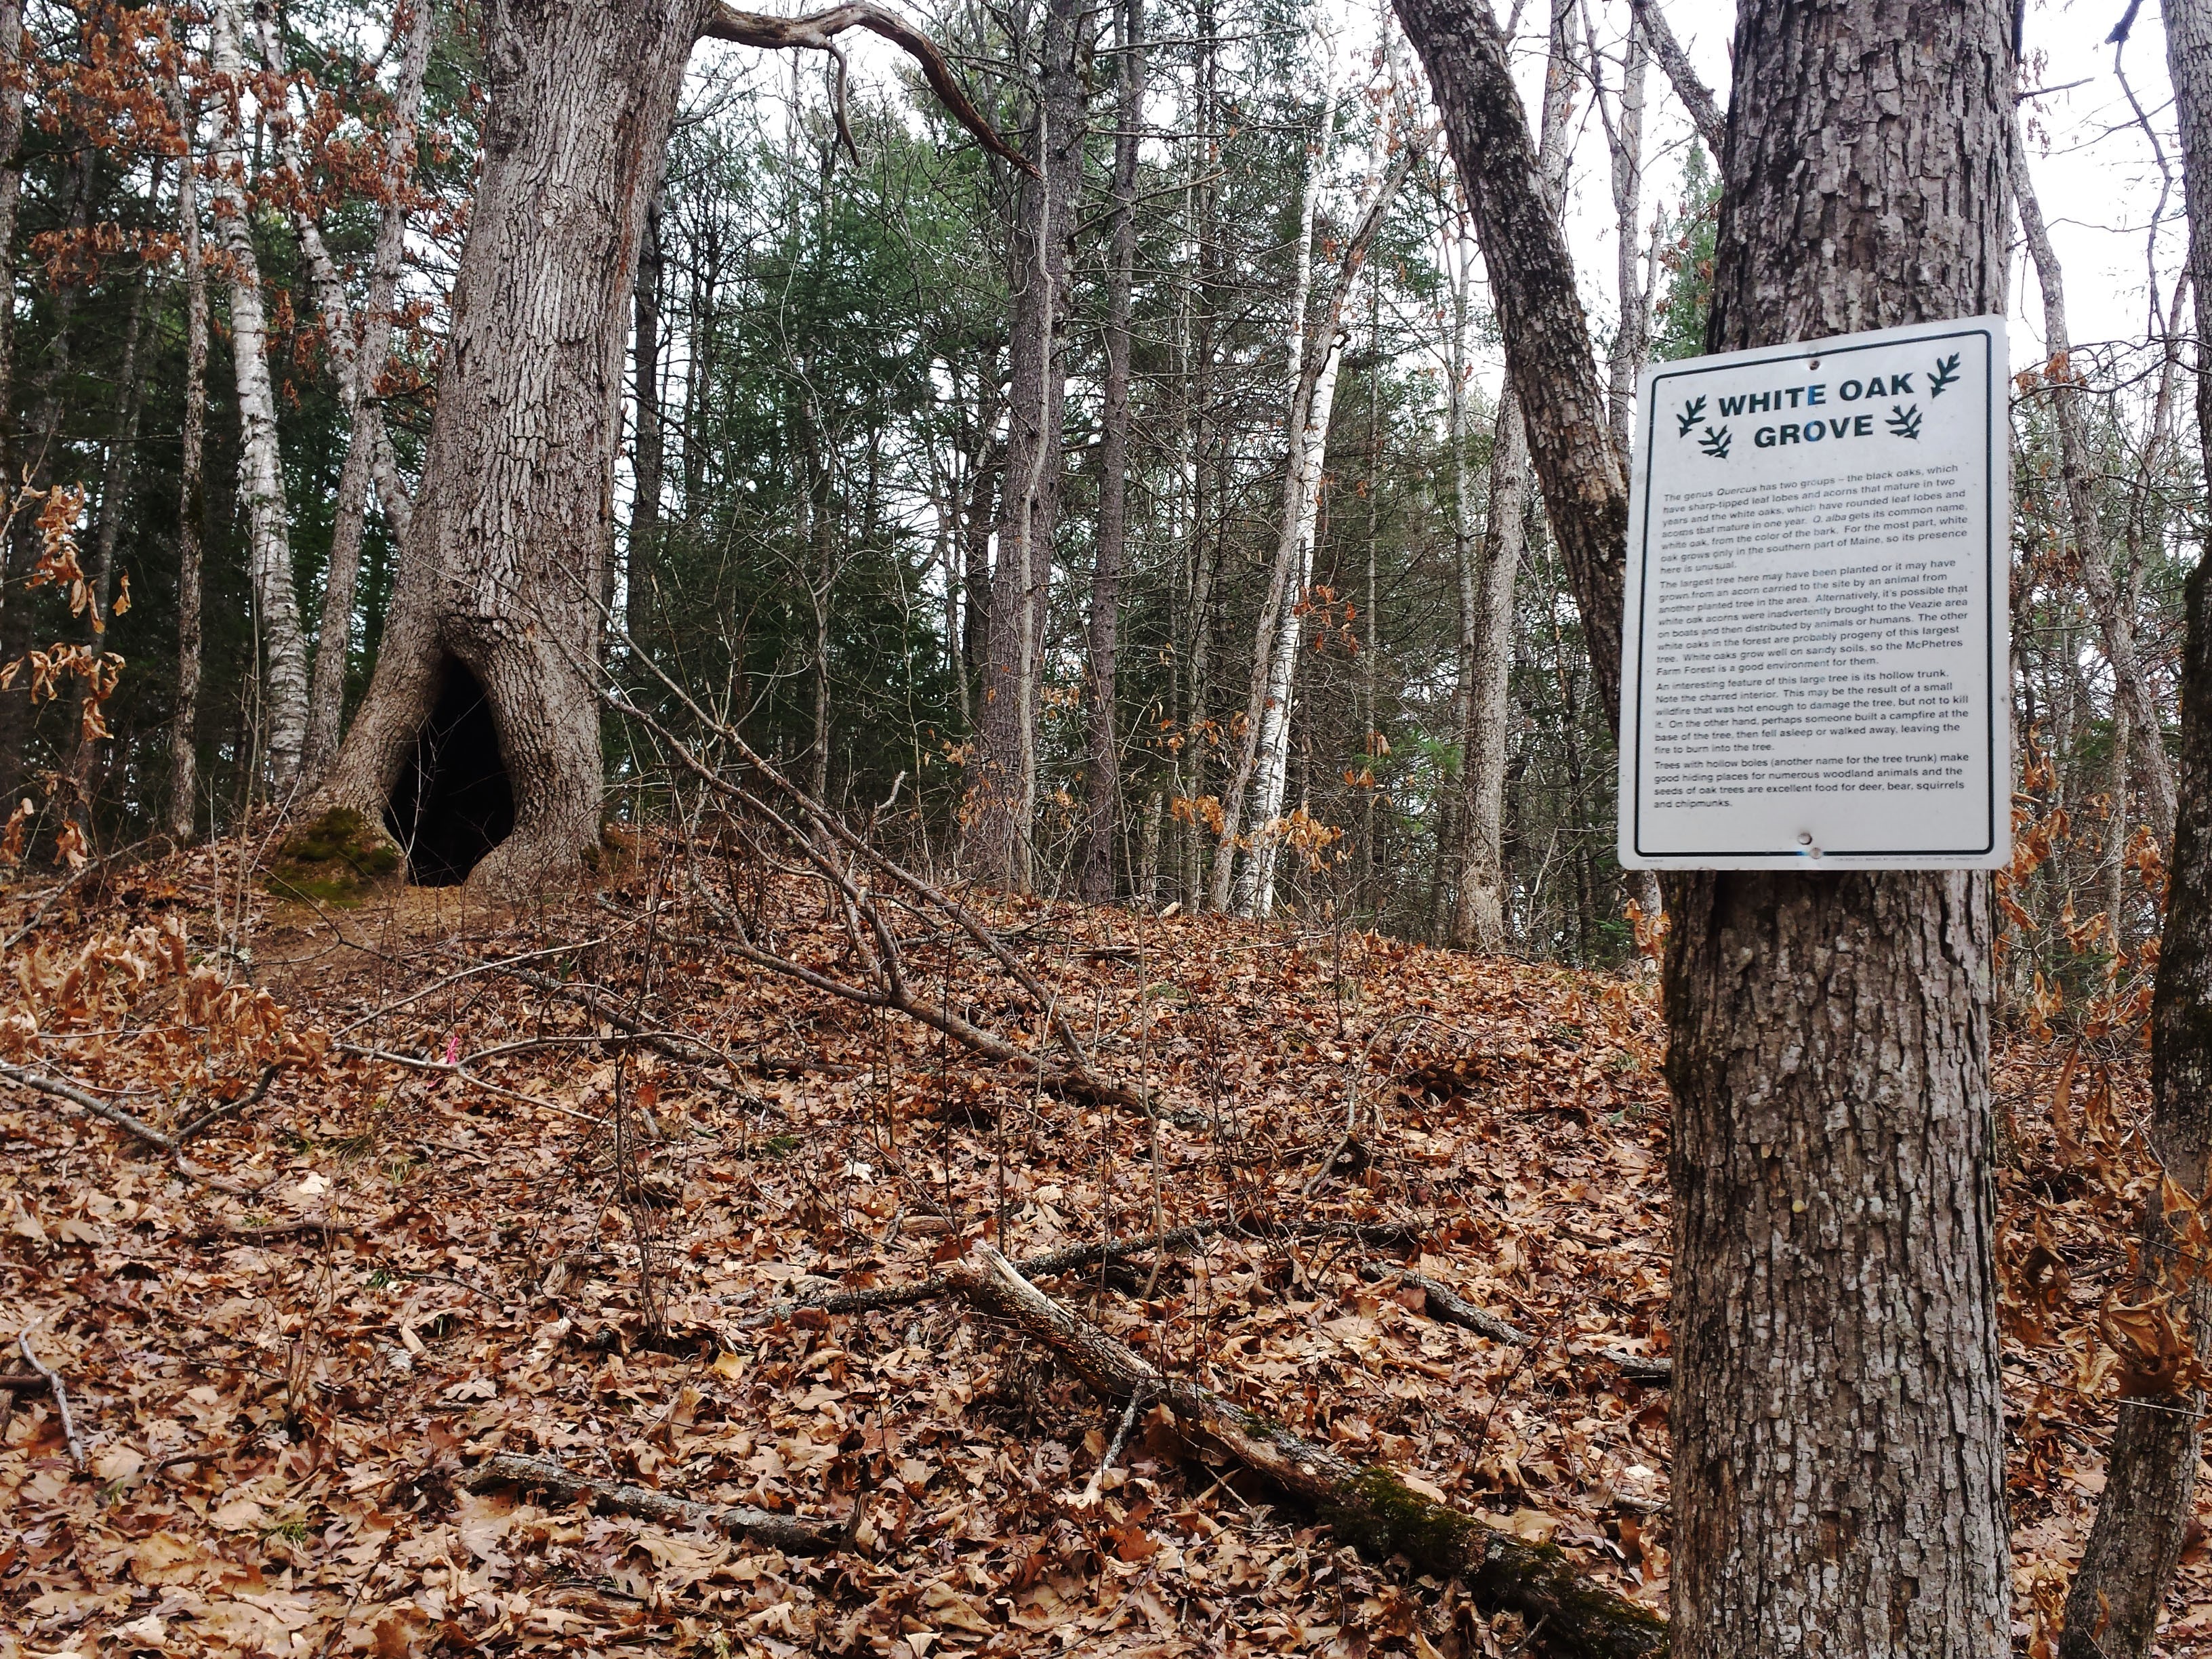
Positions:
(2096, 174)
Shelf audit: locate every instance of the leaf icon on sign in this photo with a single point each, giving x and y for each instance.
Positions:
(1946, 372)
(1716, 444)
(1693, 410)
(1905, 422)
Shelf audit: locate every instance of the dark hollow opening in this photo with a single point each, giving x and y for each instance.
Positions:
(452, 804)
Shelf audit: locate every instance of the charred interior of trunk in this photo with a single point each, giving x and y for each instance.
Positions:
(454, 803)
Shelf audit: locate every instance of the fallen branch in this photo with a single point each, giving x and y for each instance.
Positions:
(788, 1533)
(61, 1089)
(53, 1381)
(1372, 1508)
(1448, 1306)
(877, 1297)
(21, 1382)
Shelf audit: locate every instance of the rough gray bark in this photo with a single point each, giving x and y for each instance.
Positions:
(1697, 98)
(2150, 1470)
(2107, 602)
(1104, 792)
(1000, 805)
(1837, 1421)
(191, 502)
(501, 569)
(1550, 365)
(334, 642)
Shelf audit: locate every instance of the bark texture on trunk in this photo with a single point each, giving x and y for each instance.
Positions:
(501, 568)
(2150, 1471)
(2107, 599)
(192, 499)
(1550, 365)
(1000, 808)
(11, 193)
(367, 450)
(1104, 803)
(1837, 1421)
(261, 480)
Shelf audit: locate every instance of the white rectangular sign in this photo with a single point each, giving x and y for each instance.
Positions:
(1816, 667)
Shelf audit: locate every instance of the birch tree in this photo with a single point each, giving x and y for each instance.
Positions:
(261, 475)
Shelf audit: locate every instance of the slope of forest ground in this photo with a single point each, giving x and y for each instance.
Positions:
(553, 1183)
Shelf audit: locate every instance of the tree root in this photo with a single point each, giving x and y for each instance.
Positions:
(788, 1533)
(1370, 1508)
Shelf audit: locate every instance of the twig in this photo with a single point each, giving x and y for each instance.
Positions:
(881, 1296)
(60, 1393)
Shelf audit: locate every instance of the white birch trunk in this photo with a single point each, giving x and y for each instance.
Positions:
(261, 478)
(1295, 428)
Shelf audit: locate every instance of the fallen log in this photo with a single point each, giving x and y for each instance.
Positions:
(788, 1533)
(1568, 1618)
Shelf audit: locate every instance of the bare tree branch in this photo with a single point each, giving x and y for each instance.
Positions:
(819, 32)
(1696, 96)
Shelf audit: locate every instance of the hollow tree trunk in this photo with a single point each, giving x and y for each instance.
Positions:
(269, 539)
(191, 496)
(334, 641)
(501, 570)
(2150, 1471)
(1104, 790)
(1834, 1287)
(1838, 1455)
(1001, 784)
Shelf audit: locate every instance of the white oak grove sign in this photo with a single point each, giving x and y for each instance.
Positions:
(1815, 665)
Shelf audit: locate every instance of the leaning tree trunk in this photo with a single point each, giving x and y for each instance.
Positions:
(2150, 1471)
(1000, 808)
(1838, 1419)
(1103, 806)
(501, 571)
(1839, 1466)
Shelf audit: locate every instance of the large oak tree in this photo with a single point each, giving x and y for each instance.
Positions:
(481, 713)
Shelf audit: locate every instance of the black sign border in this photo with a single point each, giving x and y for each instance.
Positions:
(1798, 353)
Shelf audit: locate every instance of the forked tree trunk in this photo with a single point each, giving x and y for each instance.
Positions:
(1104, 785)
(1000, 808)
(1838, 1455)
(261, 473)
(1838, 1419)
(191, 500)
(2150, 1471)
(1479, 902)
(2108, 597)
(500, 573)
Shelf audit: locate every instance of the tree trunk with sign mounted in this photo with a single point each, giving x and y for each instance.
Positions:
(1838, 1474)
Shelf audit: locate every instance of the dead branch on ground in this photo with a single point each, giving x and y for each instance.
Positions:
(1372, 1508)
(783, 1532)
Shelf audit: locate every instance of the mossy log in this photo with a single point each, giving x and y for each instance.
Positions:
(1567, 1616)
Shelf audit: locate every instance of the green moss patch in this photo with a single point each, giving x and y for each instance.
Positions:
(336, 860)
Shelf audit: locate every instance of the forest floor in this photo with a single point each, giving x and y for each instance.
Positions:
(528, 1234)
